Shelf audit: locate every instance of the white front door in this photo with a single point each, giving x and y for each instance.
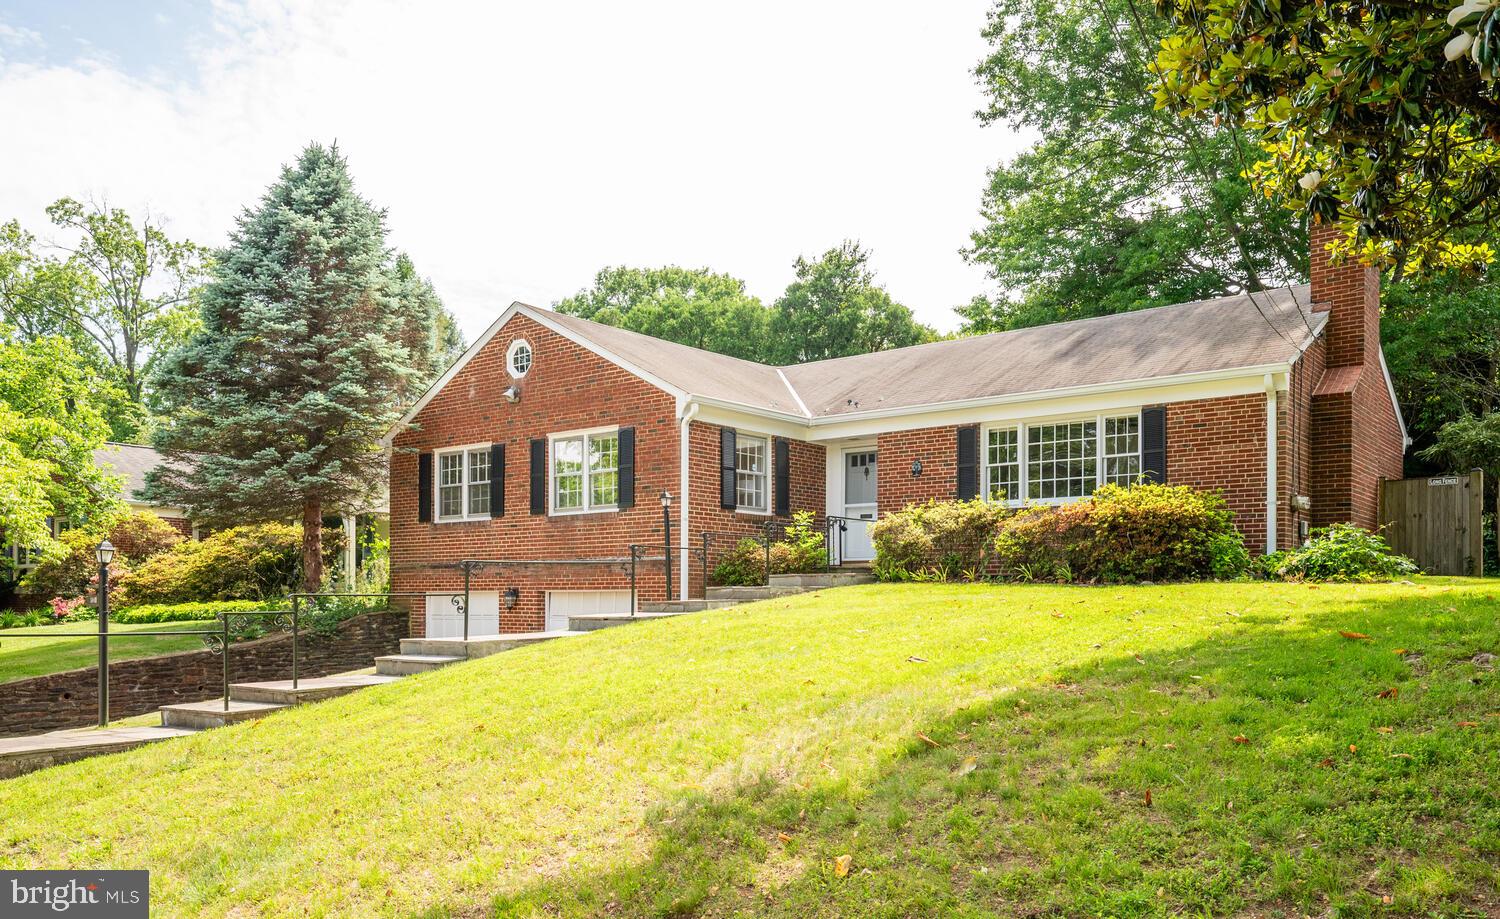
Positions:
(445, 618)
(860, 490)
(564, 603)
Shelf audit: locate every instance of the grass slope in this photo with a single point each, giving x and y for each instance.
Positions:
(974, 750)
(26, 657)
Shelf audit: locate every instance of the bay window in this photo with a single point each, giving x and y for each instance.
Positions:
(1058, 461)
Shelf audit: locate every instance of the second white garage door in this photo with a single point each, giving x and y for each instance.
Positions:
(564, 603)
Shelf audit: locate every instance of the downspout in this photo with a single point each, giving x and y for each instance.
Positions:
(685, 414)
(1271, 484)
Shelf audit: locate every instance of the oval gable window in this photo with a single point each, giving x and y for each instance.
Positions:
(518, 358)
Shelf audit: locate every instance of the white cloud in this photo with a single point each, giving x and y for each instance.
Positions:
(521, 146)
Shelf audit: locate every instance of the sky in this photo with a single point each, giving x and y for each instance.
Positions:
(521, 147)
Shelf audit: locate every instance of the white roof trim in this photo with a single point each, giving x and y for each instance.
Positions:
(540, 317)
(788, 384)
(1390, 388)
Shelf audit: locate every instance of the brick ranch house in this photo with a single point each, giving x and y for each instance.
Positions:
(550, 441)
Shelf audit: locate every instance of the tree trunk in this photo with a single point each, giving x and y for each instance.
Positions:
(312, 545)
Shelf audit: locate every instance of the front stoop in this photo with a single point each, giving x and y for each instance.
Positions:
(200, 716)
(408, 664)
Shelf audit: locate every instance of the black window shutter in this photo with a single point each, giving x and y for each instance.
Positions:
(626, 477)
(968, 463)
(783, 477)
(539, 476)
(497, 480)
(727, 497)
(1154, 444)
(424, 488)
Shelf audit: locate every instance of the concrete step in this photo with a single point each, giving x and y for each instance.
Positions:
(746, 594)
(281, 692)
(821, 580)
(408, 664)
(478, 645)
(20, 755)
(686, 606)
(591, 622)
(200, 716)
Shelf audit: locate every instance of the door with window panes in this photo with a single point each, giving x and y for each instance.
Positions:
(860, 490)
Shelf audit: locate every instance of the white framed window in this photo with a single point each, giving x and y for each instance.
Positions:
(23, 558)
(463, 483)
(586, 471)
(752, 473)
(1051, 461)
(1002, 460)
(518, 358)
(1122, 449)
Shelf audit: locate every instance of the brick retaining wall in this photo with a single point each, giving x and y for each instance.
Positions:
(70, 699)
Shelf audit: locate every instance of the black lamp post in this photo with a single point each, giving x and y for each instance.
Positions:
(105, 553)
(666, 526)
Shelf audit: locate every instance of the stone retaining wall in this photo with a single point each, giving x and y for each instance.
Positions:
(70, 699)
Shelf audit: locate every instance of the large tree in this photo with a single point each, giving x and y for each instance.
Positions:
(692, 306)
(429, 332)
(1117, 205)
(279, 401)
(834, 308)
(50, 424)
(1363, 117)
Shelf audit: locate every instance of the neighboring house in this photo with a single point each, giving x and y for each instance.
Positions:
(131, 463)
(552, 438)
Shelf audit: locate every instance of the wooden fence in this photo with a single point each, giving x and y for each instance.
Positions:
(1437, 521)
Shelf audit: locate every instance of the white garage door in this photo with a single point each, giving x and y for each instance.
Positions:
(564, 603)
(446, 620)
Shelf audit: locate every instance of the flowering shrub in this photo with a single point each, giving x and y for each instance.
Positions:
(74, 609)
(241, 563)
(1344, 552)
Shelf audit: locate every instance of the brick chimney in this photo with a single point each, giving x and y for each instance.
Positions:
(1350, 293)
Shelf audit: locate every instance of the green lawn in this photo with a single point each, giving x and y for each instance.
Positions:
(24, 657)
(974, 750)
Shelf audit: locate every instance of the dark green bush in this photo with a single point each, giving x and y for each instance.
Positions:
(187, 612)
(939, 541)
(1344, 552)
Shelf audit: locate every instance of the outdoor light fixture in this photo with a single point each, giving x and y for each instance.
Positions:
(511, 596)
(666, 533)
(512, 393)
(916, 468)
(666, 499)
(105, 552)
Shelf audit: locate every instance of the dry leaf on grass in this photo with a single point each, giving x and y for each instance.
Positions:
(1148, 797)
(969, 764)
(841, 865)
(916, 660)
(1326, 763)
(927, 740)
(1391, 693)
(1384, 730)
(1355, 636)
(1468, 724)
(1241, 738)
(1401, 756)
(783, 838)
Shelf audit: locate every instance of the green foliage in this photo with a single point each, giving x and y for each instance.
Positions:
(70, 568)
(428, 331)
(1116, 205)
(801, 550)
(1361, 119)
(278, 404)
(187, 612)
(1123, 535)
(322, 615)
(834, 308)
(1469, 443)
(50, 424)
(253, 562)
(936, 541)
(1344, 552)
(696, 307)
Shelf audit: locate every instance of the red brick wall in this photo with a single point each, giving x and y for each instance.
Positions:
(808, 476)
(936, 449)
(1220, 444)
(1351, 292)
(567, 388)
(1294, 438)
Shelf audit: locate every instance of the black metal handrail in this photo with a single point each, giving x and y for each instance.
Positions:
(666, 558)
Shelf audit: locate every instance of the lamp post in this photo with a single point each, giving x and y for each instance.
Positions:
(666, 526)
(105, 553)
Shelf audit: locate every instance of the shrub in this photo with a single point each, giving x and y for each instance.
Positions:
(939, 540)
(241, 563)
(1343, 552)
(186, 612)
(800, 551)
(1125, 534)
(69, 568)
